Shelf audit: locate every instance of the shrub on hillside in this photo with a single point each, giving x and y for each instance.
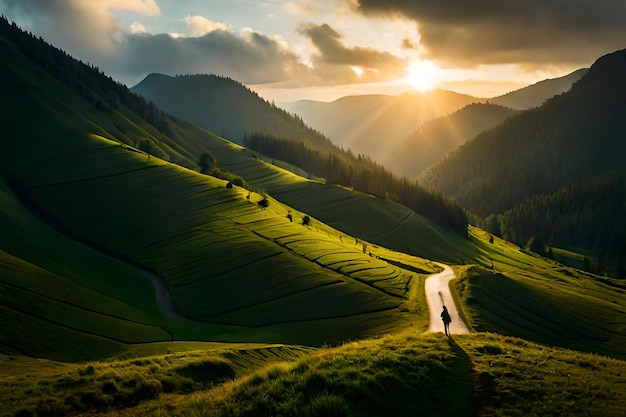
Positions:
(264, 203)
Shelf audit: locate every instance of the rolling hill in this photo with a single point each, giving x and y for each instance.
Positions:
(372, 125)
(432, 140)
(234, 269)
(208, 99)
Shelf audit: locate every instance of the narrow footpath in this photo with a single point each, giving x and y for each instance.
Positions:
(165, 302)
(437, 295)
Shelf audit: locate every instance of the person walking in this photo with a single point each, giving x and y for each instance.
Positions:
(445, 316)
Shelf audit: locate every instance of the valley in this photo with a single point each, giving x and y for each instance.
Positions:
(151, 266)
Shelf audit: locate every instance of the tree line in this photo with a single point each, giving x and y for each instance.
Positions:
(361, 174)
(588, 215)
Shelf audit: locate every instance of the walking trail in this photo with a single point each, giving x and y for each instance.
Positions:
(437, 295)
(165, 302)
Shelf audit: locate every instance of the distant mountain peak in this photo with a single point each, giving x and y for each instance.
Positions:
(536, 94)
(613, 60)
(609, 69)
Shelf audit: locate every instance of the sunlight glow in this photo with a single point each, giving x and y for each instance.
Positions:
(357, 70)
(423, 76)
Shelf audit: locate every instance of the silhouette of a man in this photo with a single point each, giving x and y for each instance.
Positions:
(445, 316)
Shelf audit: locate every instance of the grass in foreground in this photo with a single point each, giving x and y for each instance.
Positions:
(513, 377)
(42, 387)
(481, 374)
(419, 375)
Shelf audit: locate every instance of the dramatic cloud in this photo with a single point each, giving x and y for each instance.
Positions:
(89, 30)
(85, 28)
(253, 58)
(366, 63)
(468, 33)
(199, 25)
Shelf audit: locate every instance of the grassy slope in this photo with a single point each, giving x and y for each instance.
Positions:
(404, 374)
(224, 259)
(62, 300)
(540, 300)
(382, 222)
(43, 386)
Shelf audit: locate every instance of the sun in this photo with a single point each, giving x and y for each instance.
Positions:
(422, 76)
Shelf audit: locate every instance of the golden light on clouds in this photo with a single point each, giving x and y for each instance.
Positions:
(330, 46)
(199, 25)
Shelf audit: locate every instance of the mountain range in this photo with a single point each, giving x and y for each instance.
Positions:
(392, 119)
(373, 125)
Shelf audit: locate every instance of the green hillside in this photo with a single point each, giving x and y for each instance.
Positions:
(405, 375)
(519, 293)
(60, 299)
(402, 375)
(282, 300)
(247, 272)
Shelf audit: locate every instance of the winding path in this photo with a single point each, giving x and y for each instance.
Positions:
(436, 287)
(437, 295)
(165, 302)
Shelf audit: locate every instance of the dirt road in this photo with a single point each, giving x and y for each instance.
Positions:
(438, 295)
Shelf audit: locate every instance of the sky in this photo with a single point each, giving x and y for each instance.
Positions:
(322, 50)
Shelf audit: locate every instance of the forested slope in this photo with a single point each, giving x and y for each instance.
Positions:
(552, 172)
(585, 215)
(225, 107)
(573, 136)
(536, 94)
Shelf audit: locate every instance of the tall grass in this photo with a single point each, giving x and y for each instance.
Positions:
(479, 374)
(42, 387)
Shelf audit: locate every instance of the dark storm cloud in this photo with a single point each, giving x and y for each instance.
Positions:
(378, 65)
(512, 31)
(250, 59)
